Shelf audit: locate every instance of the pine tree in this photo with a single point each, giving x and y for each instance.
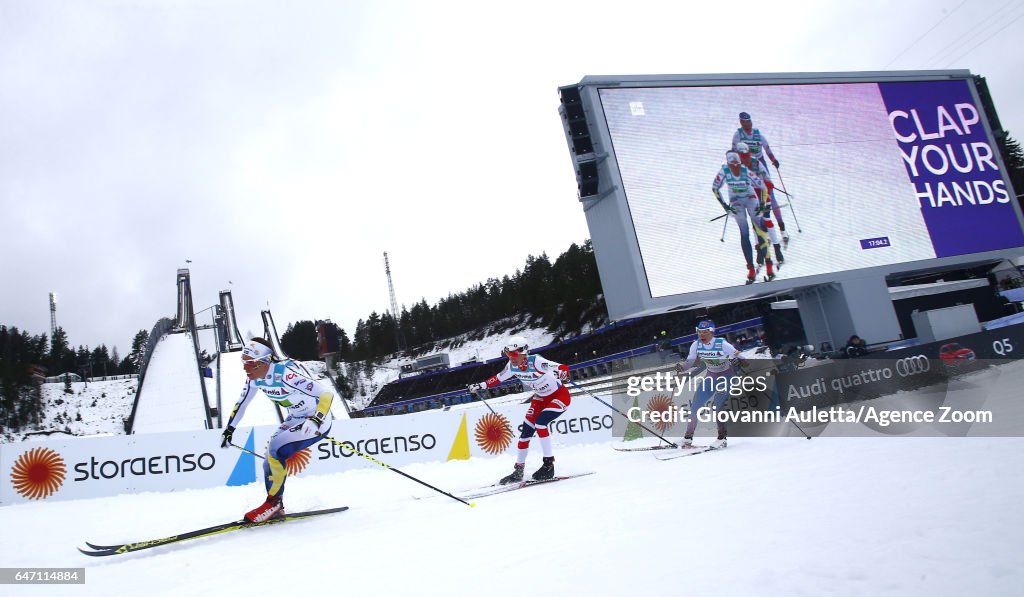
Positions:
(299, 341)
(100, 360)
(1013, 157)
(139, 345)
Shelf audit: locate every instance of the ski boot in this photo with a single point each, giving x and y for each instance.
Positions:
(686, 443)
(515, 477)
(270, 509)
(751, 274)
(771, 272)
(546, 470)
(785, 238)
(719, 443)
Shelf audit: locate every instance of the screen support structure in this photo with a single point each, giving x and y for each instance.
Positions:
(833, 312)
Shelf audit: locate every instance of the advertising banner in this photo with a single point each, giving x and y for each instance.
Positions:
(929, 389)
(440, 435)
(101, 466)
(104, 466)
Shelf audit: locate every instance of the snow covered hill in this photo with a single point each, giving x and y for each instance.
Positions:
(92, 408)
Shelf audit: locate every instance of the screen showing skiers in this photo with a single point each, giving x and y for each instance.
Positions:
(734, 185)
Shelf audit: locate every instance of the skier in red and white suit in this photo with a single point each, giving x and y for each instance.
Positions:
(550, 400)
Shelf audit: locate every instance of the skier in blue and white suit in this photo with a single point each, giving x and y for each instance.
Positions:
(309, 417)
(718, 356)
(762, 153)
(743, 203)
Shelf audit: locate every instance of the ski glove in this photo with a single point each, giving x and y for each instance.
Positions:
(228, 432)
(728, 208)
(563, 373)
(776, 164)
(476, 387)
(312, 424)
(681, 368)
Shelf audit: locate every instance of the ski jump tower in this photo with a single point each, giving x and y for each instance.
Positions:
(172, 393)
(185, 318)
(270, 333)
(227, 328)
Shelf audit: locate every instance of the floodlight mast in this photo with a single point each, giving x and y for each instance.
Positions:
(53, 315)
(394, 303)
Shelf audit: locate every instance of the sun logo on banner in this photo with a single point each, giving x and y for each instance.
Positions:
(298, 461)
(493, 433)
(38, 473)
(661, 403)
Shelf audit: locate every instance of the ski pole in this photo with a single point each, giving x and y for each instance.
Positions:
(482, 399)
(725, 225)
(248, 451)
(791, 210)
(651, 431)
(504, 421)
(371, 459)
(739, 368)
(800, 430)
(351, 447)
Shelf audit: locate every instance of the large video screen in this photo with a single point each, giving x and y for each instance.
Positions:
(868, 174)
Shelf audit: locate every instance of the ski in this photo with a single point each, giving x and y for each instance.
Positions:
(110, 550)
(645, 448)
(496, 489)
(692, 451)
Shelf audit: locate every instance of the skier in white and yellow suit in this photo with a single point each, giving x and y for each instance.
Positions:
(309, 417)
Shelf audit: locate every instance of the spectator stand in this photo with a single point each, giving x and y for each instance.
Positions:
(443, 389)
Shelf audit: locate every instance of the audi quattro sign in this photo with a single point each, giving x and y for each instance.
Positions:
(826, 383)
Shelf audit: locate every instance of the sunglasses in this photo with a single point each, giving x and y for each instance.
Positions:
(248, 362)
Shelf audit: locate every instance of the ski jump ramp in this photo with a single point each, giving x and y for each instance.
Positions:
(171, 398)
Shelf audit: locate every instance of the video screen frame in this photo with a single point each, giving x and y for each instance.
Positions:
(663, 241)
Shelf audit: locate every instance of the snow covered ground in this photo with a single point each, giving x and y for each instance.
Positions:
(766, 516)
(93, 408)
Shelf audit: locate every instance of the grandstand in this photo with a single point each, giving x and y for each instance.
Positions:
(609, 349)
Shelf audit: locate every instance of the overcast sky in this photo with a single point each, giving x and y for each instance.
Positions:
(282, 147)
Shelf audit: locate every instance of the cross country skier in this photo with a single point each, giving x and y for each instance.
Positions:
(763, 225)
(309, 417)
(758, 146)
(743, 203)
(717, 355)
(549, 401)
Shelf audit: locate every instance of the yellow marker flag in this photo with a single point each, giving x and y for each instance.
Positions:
(460, 447)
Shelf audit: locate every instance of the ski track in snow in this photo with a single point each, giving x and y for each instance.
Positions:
(766, 516)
